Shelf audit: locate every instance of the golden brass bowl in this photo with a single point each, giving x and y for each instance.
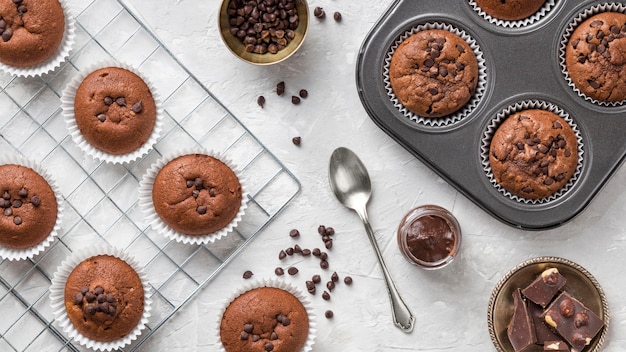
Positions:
(237, 47)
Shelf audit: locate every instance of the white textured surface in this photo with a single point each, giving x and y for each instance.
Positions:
(450, 304)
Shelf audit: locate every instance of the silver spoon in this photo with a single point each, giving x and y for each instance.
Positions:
(351, 184)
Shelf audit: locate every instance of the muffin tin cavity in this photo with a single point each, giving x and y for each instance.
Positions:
(522, 63)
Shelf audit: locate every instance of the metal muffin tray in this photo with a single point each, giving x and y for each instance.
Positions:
(522, 63)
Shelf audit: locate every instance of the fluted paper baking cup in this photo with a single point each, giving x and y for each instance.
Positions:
(67, 104)
(20, 254)
(569, 30)
(541, 13)
(455, 116)
(503, 115)
(61, 54)
(272, 282)
(57, 296)
(147, 206)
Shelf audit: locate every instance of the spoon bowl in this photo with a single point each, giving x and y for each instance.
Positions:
(350, 182)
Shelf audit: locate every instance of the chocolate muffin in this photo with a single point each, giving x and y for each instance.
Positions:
(104, 298)
(433, 73)
(114, 110)
(28, 207)
(533, 153)
(30, 31)
(196, 194)
(595, 57)
(264, 319)
(510, 10)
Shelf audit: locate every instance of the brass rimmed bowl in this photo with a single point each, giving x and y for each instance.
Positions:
(238, 48)
(580, 283)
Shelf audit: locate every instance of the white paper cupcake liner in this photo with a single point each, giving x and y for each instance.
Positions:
(471, 104)
(57, 297)
(541, 13)
(67, 104)
(503, 115)
(569, 30)
(147, 206)
(272, 282)
(20, 254)
(61, 54)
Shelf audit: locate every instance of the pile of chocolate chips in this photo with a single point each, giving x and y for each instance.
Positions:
(96, 301)
(9, 203)
(7, 33)
(121, 102)
(197, 185)
(263, 25)
(248, 332)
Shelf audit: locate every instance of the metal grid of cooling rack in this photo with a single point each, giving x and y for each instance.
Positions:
(100, 200)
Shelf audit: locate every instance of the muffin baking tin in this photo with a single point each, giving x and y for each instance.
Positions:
(101, 199)
(522, 64)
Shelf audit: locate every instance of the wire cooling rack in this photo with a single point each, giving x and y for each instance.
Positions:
(100, 200)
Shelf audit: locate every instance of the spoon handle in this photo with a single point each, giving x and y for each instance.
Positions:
(402, 316)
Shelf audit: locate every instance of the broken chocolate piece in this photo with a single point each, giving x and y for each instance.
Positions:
(573, 321)
(555, 346)
(545, 287)
(520, 331)
(542, 330)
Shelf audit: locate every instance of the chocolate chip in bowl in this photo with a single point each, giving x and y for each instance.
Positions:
(263, 32)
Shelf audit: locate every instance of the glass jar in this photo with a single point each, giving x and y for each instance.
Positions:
(429, 236)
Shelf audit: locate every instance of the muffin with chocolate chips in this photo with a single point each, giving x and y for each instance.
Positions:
(533, 153)
(433, 73)
(595, 57)
(28, 207)
(104, 298)
(114, 110)
(30, 31)
(264, 319)
(510, 10)
(196, 194)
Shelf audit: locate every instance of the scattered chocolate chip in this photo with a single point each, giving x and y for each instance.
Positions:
(294, 233)
(330, 285)
(280, 88)
(138, 107)
(306, 252)
(316, 252)
(337, 16)
(282, 255)
(324, 264)
(292, 270)
(316, 279)
(328, 244)
(295, 100)
(334, 277)
(303, 93)
(347, 280)
(323, 255)
(261, 101)
(329, 314)
(247, 274)
(297, 249)
(310, 285)
(279, 271)
(289, 251)
(296, 140)
(319, 12)
(321, 230)
(326, 295)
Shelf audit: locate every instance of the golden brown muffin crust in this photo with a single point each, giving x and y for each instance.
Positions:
(28, 207)
(595, 57)
(104, 298)
(433, 73)
(31, 37)
(262, 316)
(510, 10)
(533, 153)
(196, 194)
(114, 110)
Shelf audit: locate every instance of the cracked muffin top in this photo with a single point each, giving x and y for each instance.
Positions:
(510, 10)
(595, 57)
(196, 194)
(30, 31)
(433, 73)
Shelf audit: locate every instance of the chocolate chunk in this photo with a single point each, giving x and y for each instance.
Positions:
(247, 274)
(545, 287)
(261, 101)
(138, 107)
(521, 332)
(542, 331)
(576, 323)
(329, 314)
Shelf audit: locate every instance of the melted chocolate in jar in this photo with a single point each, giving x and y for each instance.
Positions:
(429, 238)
